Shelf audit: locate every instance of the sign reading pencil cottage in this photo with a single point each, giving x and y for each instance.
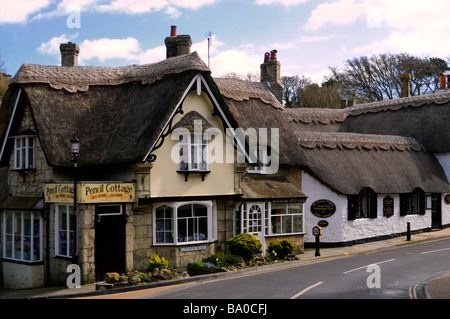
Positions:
(90, 192)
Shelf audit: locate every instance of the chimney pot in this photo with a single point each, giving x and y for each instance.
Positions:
(266, 57)
(405, 79)
(443, 84)
(69, 54)
(273, 55)
(173, 31)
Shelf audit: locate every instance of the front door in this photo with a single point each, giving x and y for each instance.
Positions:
(255, 221)
(436, 211)
(109, 240)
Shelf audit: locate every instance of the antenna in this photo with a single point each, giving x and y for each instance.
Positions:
(209, 45)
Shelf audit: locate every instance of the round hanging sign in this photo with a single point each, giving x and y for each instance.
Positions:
(447, 199)
(323, 208)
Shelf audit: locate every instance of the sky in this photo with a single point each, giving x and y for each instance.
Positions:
(310, 36)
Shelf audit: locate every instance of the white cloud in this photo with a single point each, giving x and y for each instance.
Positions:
(51, 47)
(412, 26)
(104, 49)
(339, 13)
(19, 11)
(133, 6)
(286, 3)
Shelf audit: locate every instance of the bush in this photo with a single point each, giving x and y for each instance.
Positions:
(222, 260)
(156, 262)
(281, 247)
(245, 245)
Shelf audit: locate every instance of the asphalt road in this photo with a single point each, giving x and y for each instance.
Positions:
(390, 274)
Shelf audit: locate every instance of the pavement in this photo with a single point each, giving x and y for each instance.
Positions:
(437, 288)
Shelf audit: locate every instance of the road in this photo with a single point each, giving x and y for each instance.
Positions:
(390, 274)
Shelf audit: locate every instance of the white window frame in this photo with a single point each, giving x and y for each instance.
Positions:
(240, 223)
(211, 236)
(69, 214)
(196, 145)
(20, 236)
(22, 155)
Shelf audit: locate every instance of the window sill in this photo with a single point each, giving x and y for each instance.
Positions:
(23, 170)
(186, 174)
(23, 262)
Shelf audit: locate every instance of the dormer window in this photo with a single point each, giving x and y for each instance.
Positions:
(24, 152)
(193, 153)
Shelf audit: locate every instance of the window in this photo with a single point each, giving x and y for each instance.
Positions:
(287, 218)
(24, 152)
(64, 230)
(193, 152)
(183, 223)
(22, 239)
(164, 225)
(273, 218)
(412, 203)
(363, 205)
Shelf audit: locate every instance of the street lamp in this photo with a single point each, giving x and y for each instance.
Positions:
(75, 148)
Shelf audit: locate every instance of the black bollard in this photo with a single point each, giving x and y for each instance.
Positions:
(317, 246)
(408, 231)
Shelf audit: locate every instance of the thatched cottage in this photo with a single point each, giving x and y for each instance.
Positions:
(174, 162)
(144, 181)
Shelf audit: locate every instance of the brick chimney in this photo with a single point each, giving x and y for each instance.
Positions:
(177, 44)
(443, 81)
(69, 54)
(270, 73)
(405, 79)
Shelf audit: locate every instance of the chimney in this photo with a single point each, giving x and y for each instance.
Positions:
(177, 44)
(405, 79)
(69, 54)
(270, 73)
(443, 82)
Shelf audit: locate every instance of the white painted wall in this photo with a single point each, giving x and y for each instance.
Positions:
(340, 229)
(444, 160)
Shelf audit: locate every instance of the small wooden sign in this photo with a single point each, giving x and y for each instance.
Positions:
(388, 206)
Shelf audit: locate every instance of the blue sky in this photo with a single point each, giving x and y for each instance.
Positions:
(310, 36)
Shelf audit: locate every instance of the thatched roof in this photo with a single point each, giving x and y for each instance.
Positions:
(346, 161)
(117, 113)
(257, 187)
(424, 117)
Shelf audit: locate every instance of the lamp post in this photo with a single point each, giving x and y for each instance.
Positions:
(75, 148)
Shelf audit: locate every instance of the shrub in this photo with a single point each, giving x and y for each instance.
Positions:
(144, 278)
(222, 260)
(156, 262)
(245, 245)
(281, 247)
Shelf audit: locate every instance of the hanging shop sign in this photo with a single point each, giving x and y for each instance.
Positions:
(323, 208)
(90, 192)
(388, 206)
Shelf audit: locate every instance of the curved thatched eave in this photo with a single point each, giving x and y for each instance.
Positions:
(348, 171)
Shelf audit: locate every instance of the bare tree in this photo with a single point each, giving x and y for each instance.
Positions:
(377, 78)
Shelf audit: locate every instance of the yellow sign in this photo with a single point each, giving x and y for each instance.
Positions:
(58, 193)
(90, 192)
(107, 192)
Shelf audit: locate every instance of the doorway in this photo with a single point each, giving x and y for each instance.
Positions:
(255, 221)
(436, 211)
(110, 222)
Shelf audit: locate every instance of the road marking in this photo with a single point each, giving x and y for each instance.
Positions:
(433, 251)
(413, 292)
(365, 267)
(306, 289)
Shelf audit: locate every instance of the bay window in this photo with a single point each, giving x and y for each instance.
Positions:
(183, 223)
(22, 240)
